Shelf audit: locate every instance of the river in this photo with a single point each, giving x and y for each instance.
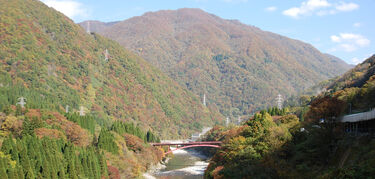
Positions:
(185, 164)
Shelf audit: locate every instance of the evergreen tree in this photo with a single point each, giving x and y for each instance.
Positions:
(107, 142)
(3, 168)
(12, 173)
(29, 174)
(103, 165)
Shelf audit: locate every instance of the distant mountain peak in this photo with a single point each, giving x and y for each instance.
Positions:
(241, 67)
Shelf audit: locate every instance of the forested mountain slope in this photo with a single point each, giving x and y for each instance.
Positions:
(285, 146)
(356, 77)
(240, 68)
(52, 62)
(355, 90)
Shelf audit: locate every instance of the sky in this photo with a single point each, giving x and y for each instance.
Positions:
(343, 28)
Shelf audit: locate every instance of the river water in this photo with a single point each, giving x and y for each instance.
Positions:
(184, 165)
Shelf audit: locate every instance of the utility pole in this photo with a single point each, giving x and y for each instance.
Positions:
(67, 109)
(81, 111)
(204, 99)
(22, 102)
(88, 27)
(279, 101)
(239, 120)
(227, 122)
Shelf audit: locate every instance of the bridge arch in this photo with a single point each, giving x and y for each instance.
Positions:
(191, 146)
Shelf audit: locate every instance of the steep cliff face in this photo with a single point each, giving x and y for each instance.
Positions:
(53, 62)
(240, 68)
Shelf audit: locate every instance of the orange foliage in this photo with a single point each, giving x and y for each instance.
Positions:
(73, 131)
(113, 172)
(10, 124)
(326, 107)
(233, 132)
(159, 153)
(33, 113)
(216, 172)
(52, 133)
(133, 142)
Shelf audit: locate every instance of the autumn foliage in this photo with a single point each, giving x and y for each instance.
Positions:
(326, 108)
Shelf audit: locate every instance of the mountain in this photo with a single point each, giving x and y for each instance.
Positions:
(271, 145)
(356, 88)
(239, 67)
(52, 62)
(351, 92)
(356, 77)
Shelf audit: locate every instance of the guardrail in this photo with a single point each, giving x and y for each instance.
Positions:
(359, 117)
(188, 143)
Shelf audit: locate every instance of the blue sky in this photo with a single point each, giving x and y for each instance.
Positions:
(344, 28)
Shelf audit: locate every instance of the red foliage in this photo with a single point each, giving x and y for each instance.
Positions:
(159, 153)
(326, 107)
(216, 172)
(133, 142)
(113, 172)
(33, 113)
(52, 133)
(73, 131)
(96, 107)
(233, 132)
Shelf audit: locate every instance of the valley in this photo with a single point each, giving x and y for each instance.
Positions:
(99, 99)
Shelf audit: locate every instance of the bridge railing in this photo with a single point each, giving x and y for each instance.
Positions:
(359, 117)
(186, 143)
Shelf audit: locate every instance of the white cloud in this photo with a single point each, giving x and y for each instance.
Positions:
(306, 8)
(292, 12)
(335, 38)
(70, 8)
(319, 7)
(326, 12)
(347, 6)
(357, 24)
(356, 61)
(350, 42)
(271, 9)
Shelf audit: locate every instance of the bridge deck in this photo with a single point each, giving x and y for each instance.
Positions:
(359, 117)
(187, 143)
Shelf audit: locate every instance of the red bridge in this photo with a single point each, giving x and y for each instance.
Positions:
(184, 145)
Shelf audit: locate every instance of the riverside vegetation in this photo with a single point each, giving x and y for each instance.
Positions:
(277, 145)
(53, 63)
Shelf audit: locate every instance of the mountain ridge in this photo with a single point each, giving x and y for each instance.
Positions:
(224, 59)
(53, 62)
